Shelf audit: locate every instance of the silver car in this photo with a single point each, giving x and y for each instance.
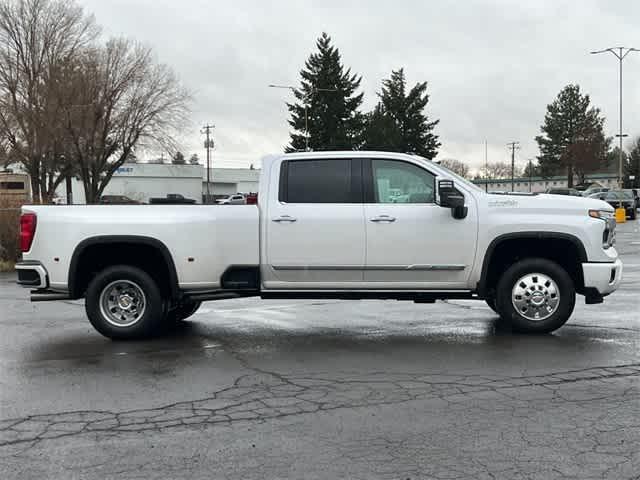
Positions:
(237, 199)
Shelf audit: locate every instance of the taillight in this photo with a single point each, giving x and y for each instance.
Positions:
(27, 230)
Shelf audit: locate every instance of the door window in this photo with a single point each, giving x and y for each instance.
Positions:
(402, 182)
(318, 181)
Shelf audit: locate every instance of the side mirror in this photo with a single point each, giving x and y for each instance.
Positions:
(451, 198)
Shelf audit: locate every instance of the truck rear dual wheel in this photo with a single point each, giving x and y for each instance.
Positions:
(123, 302)
(535, 295)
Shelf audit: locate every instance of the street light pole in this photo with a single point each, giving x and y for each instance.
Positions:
(306, 108)
(620, 53)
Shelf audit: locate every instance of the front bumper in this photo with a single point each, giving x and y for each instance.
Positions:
(603, 277)
(32, 274)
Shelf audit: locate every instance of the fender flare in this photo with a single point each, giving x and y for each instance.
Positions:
(128, 239)
(482, 284)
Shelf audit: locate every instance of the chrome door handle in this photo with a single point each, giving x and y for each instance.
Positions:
(285, 218)
(383, 218)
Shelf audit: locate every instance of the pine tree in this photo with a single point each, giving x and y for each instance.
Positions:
(572, 137)
(398, 123)
(178, 159)
(329, 92)
(632, 166)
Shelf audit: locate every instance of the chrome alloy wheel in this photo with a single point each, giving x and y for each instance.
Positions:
(122, 303)
(535, 296)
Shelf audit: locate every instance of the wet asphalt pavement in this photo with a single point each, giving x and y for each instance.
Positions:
(324, 389)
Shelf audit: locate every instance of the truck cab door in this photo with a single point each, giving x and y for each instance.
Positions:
(314, 225)
(412, 242)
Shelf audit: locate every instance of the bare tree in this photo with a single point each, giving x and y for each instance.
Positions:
(126, 100)
(456, 166)
(499, 170)
(37, 37)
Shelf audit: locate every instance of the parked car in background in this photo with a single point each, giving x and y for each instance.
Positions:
(636, 196)
(619, 199)
(591, 190)
(237, 199)
(586, 186)
(117, 200)
(172, 199)
(563, 191)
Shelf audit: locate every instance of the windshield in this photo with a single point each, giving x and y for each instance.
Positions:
(463, 180)
(619, 195)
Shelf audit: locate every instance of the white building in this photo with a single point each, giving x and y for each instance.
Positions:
(539, 184)
(227, 181)
(142, 181)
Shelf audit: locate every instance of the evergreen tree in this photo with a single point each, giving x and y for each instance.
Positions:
(398, 122)
(178, 159)
(573, 138)
(329, 93)
(632, 166)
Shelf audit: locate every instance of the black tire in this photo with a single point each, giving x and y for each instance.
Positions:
(491, 303)
(143, 324)
(565, 296)
(184, 311)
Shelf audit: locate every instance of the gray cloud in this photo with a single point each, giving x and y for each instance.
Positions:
(492, 66)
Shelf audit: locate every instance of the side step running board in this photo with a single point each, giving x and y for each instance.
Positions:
(217, 295)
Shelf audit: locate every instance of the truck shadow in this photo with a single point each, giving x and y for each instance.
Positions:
(199, 341)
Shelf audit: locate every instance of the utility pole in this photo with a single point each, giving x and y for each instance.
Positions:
(530, 174)
(486, 168)
(208, 144)
(620, 53)
(514, 146)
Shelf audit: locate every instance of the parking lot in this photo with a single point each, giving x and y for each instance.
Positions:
(324, 389)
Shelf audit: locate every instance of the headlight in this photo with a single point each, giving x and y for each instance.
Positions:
(601, 214)
(609, 234)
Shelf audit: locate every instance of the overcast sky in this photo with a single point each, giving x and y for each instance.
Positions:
(492, 66)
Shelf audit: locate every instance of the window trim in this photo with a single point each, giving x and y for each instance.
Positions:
(356, 196)
(368, 181)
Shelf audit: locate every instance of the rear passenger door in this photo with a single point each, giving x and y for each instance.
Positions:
(315, 230)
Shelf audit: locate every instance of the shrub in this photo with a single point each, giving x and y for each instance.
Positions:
(9, 230)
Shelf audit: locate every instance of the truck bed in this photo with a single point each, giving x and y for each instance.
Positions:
(202, 239)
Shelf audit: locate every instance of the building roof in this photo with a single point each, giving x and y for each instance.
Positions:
(590, 176)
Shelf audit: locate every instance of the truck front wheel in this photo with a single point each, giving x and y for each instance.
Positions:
(535, 295)
(124, 302)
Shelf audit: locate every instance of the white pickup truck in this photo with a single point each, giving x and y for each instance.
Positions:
(341, 225)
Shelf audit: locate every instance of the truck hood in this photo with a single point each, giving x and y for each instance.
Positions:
(547, 203)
